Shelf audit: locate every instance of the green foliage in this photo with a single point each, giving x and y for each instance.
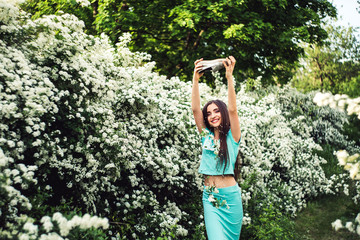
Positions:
(349, 86)
(261, 35)
(80, 233)
(352, 129)
(333, 66)
(167, 235)
(315, 220)
(89, 234)
(272, 224)
(331, 166)
(81, 9)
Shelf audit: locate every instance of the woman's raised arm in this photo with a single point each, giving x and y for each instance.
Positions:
(234, 119)
(195, 97)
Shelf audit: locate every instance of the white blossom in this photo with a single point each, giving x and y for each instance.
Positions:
(337, 225)
(47, 224)
(31, 228)
(350, 226)
(211, 198)
(342, 156)
(357, 219)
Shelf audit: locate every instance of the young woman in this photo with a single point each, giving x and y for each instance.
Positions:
(221, 133)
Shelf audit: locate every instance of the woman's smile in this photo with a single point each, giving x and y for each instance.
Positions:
(215, 120)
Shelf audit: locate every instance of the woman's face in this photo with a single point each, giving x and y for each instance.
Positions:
(213, 115)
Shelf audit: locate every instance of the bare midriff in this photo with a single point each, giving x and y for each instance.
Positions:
(220, 181)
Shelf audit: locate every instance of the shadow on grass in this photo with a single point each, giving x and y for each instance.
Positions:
(314, 222)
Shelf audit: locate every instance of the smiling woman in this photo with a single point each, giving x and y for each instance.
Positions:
(221, 137)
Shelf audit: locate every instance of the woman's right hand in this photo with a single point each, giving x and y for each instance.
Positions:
(197, 68)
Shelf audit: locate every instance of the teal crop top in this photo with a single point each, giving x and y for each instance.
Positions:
(209, 161)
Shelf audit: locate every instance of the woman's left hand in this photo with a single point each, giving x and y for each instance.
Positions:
(229, 64)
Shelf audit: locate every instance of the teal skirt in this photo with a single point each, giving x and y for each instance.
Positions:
(223, 213)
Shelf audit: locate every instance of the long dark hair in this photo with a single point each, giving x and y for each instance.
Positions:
(223, 130)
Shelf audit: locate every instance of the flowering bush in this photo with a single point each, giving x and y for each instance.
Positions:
(350, 163)
(87, 127)
(280, 153)
(343, 102)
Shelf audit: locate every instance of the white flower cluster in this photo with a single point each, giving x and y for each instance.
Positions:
(58, 227)
(353, 227)
(214, 200)
(356, 198)
(83, 3)
(9, 10)
(350, 163)
(343, 102)
(84, 222)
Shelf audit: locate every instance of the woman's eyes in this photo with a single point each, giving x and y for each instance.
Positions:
(215, 111)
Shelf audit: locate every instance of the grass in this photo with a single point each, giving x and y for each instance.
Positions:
(314, 222)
